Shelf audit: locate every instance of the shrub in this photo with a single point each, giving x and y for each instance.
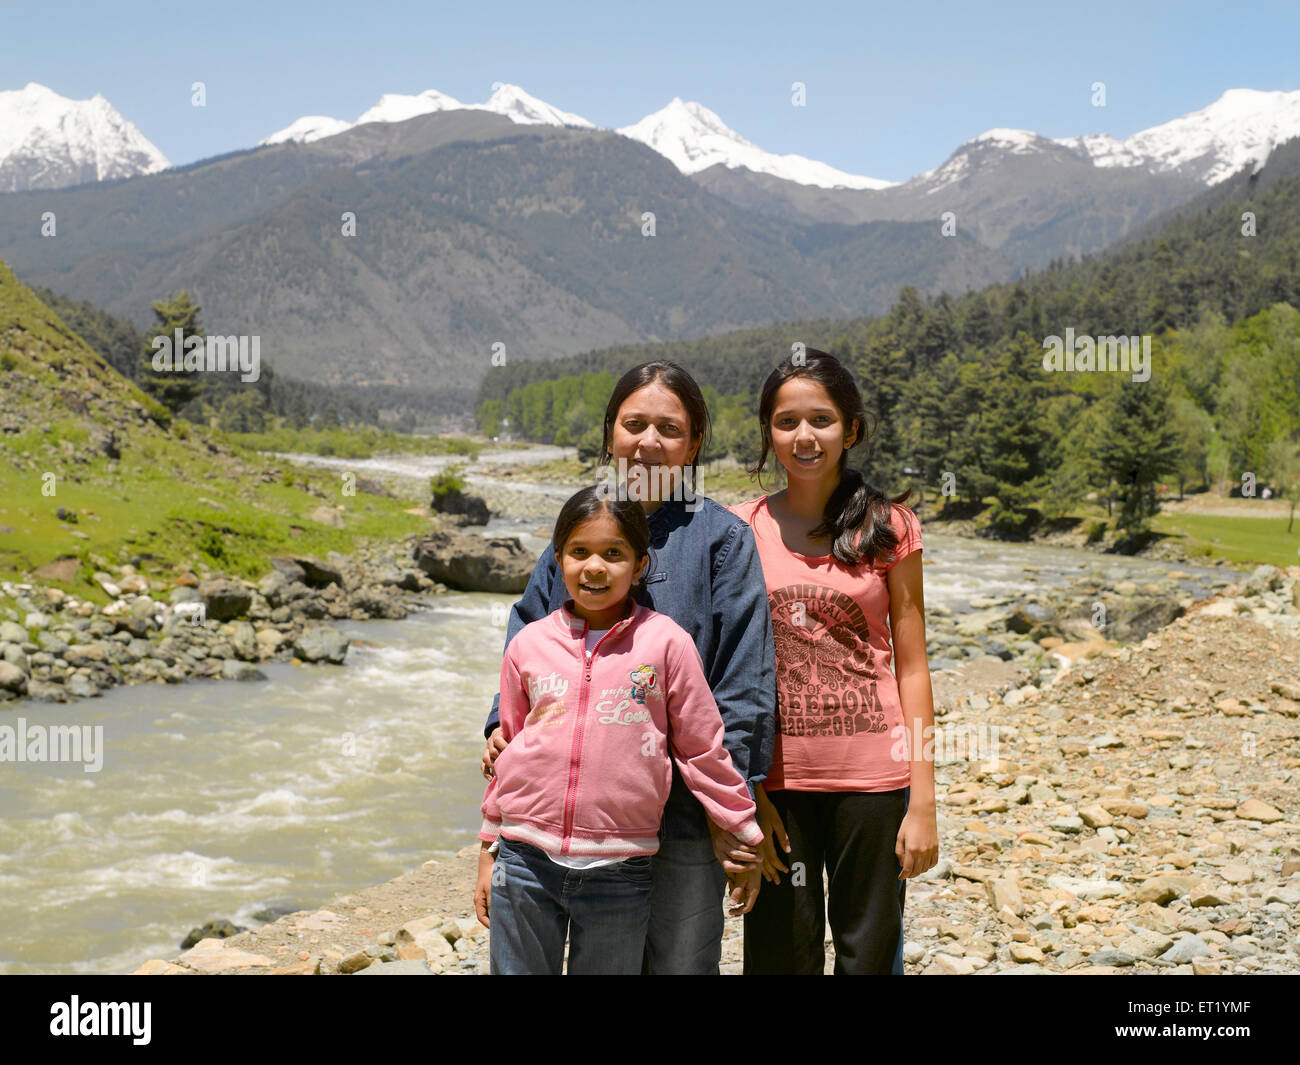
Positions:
(447, 481)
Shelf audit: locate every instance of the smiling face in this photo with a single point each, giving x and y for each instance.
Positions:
(653, 430)
(599, 568)
(808, 432)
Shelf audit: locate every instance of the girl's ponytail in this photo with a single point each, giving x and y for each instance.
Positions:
(857, 522)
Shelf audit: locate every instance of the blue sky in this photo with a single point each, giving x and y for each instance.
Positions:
(892, 89)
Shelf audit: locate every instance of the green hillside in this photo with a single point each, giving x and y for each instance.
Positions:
(135, 486)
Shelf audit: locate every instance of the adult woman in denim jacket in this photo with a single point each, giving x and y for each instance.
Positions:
(706, 576)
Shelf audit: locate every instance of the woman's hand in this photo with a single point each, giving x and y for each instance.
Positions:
(735, 854)
(773, 832)
(483, 885)
(743, 891)
(917, 845)
(495, 745)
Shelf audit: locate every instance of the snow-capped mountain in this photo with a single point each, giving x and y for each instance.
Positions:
(1240, 128)
(508, 100)
(308, 128)
(693, 138)
(48, 141)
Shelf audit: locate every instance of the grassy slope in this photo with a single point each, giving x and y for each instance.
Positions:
(57, 397)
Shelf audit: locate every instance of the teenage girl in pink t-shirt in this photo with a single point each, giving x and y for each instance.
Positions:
(842, 565)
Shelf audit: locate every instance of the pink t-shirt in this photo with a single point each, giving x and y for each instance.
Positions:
(836, 696)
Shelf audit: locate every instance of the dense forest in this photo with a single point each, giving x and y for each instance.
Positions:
(958, 386)
(213, 398)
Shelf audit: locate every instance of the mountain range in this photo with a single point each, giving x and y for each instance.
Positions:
(519, 223)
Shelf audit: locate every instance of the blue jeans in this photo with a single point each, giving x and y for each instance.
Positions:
(686, 920)
(535, 903)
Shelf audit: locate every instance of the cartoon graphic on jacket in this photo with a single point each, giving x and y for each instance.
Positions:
(593, 737)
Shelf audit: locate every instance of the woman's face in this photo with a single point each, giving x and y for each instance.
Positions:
(808, 432)
(653, 430)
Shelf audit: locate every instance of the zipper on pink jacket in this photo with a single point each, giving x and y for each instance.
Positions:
(575, 752)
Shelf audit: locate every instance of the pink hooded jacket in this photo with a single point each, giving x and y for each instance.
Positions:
(587, 768)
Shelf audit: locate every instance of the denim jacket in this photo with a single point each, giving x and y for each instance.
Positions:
(705, 574)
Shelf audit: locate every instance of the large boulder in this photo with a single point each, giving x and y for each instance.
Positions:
(225, 599)
(317, 574)
(467, 509)
(1138, 617)
(320, 643)
(475, 563)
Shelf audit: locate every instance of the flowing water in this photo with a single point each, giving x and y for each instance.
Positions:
(222, 798)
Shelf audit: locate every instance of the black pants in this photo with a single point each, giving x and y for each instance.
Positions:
(851, 834)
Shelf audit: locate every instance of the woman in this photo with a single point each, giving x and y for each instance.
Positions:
(842, 565)
(705, 575)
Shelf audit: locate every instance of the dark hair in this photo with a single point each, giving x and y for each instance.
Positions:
(678, 382)
(855, 506)
(586, 503)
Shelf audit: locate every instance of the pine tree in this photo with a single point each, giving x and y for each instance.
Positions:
(1139, 447)
(1013, 435)
(174, 388)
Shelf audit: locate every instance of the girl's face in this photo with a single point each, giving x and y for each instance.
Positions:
(653, 430)
(599, 568)
(808, 431)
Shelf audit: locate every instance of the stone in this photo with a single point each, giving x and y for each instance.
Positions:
(1145, 943)
(1096, 816)
(1234, 873)
(355, 962)
(158, 967)
(1189, 947)
(1083, 888)
(1110, 957)
(411, 967)
(1066, 824)
(1159, 889)
(318, 643)
(1207, 897)
(224, 599)
(234, 669)
(948, 965)
(475, 563)
(327, 515)
(1257, 810)
(1022, 953)
(243, 639)
(1205, 967)
(63, 569)
(1001, 893)
(12, 678)
(213, 956)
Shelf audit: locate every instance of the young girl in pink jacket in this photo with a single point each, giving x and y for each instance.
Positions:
(596, 698)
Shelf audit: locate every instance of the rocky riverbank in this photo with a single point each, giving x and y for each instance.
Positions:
(1138, 812)
(55, 647)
